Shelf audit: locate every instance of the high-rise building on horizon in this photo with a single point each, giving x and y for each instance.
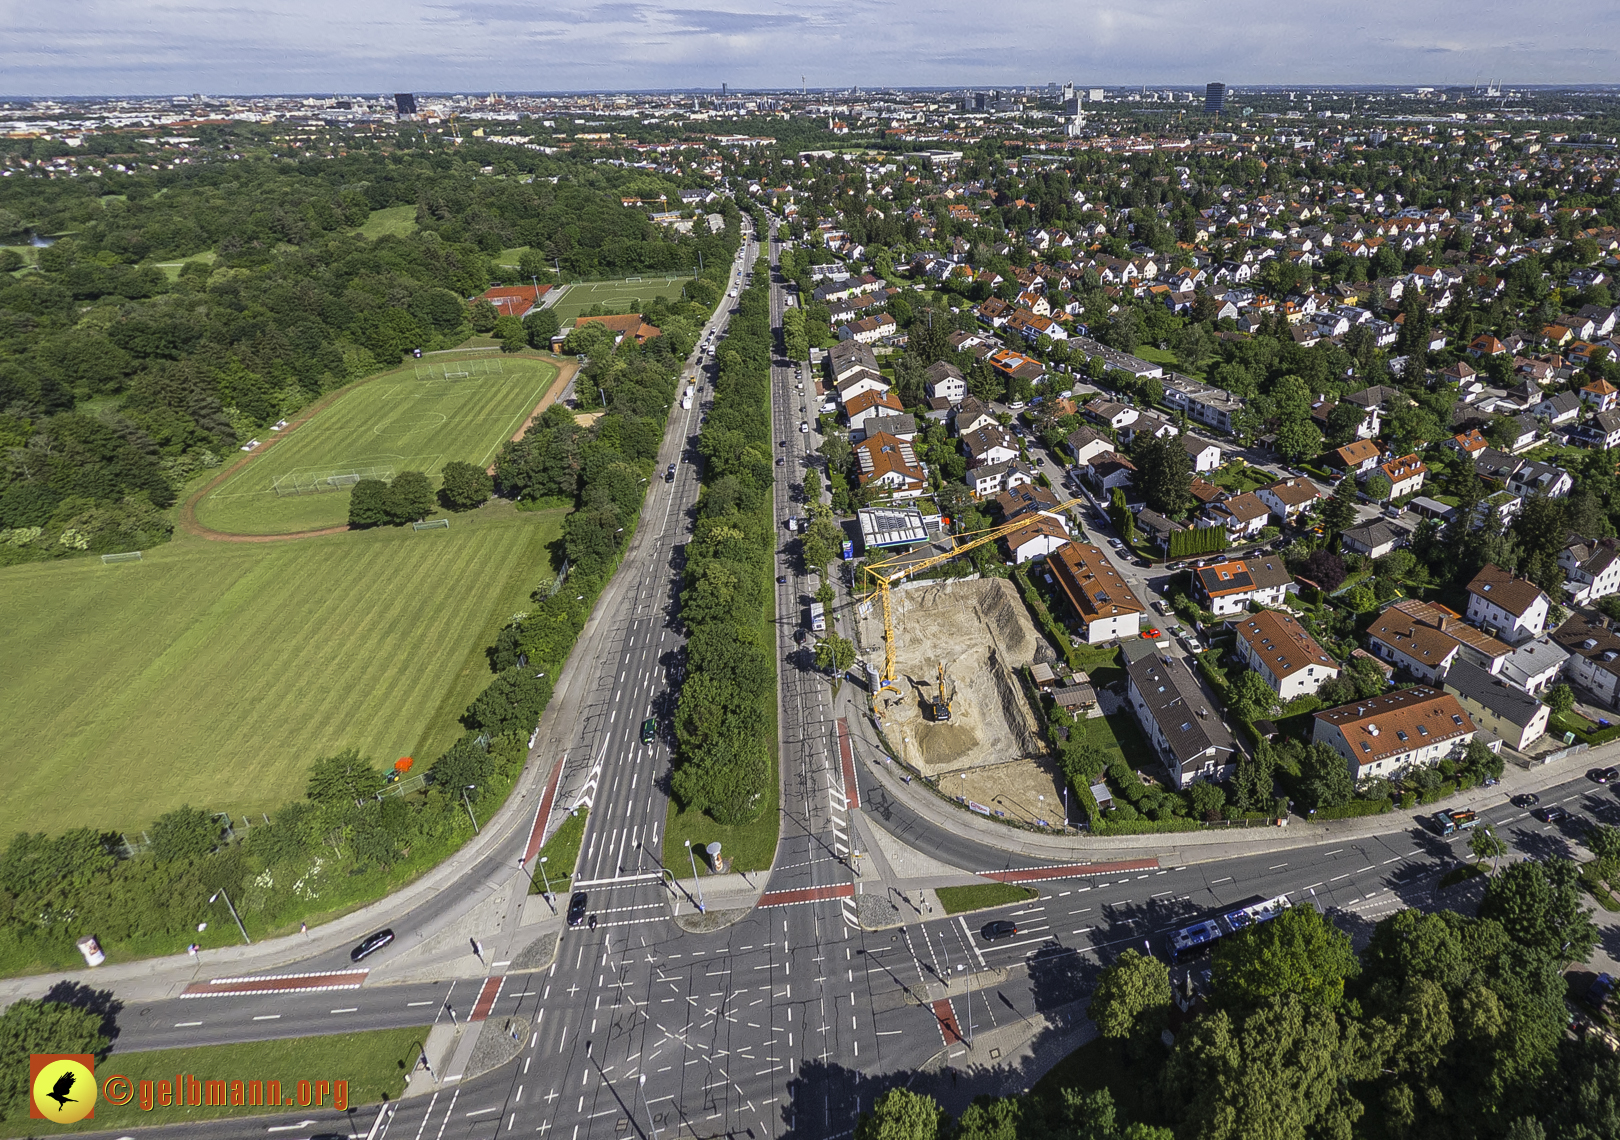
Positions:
(404, 104)
(1214, 98)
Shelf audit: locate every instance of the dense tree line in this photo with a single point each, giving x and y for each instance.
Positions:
(118, 385)
(724, 725)
(1445, 1026)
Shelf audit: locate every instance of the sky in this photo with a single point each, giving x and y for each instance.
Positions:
(164, 47)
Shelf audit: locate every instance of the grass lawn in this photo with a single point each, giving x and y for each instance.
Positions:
(1238, 477)
(171, 269)
(1103, 663)
(1167, 358)
(955, 900)
(561, 854)
(750, 846)
(390, 423)
(397, 220)
(214, 673)
(620, 296)
(374, 1064)
(1118, 738)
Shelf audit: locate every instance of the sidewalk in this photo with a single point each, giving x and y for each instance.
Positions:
(1203, 846)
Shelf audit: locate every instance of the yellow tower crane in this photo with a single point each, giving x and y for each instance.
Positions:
(885, 574)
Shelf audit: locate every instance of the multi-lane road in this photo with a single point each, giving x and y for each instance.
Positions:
(792, 1018)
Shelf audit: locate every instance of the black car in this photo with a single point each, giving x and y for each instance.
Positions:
(576, 908)
(1552, 813)
(991, 931)
(1526, 799)
(371, 944)
(780, 462)
(781, 579)
(1604, 775)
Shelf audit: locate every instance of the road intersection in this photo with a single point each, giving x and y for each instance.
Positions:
(795, 1001)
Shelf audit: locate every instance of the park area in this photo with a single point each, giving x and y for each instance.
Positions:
(629, 295)
(214, 673)
(416, 418)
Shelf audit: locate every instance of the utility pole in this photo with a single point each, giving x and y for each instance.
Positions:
(234, 915)
(468, 805)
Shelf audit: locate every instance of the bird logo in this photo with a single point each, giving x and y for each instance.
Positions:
(63, 1087)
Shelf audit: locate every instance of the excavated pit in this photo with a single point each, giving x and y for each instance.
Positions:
(983, 634)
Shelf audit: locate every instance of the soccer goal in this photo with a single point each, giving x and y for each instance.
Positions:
(461, 369)
(130, 556)
(432, 524)
(315, 482)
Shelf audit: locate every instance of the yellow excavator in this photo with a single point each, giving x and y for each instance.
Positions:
(942, 703)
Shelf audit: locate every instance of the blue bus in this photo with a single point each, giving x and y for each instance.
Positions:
(1195, 940)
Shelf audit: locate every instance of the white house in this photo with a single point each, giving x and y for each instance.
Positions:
(1181, 723)
(1516, 610)
(1242, 515)
(1037, 538)
(1593, 569)
(944, 381)
(1391, 733)
(1405, 475)
(1205, 456)
(1287, 658)
(994, 478)
(1287, 498)
(1102, 601)
(1229, 587)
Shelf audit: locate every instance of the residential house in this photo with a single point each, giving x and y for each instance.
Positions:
(1037, 538)
(1496, 467)
(1473, 644)
(1085, 444)
(1514, 607)
(1355, 458)
(1534, 665)
(1287, 658)
(994, 478)
(1111, 412)
(1421, 649)
(1374, 538)
(1601, 396)
(1538, 478)
(1148, 423)
(1205, 456)
(1110, 470)
(867, 404)
(1243, 515)
(902, 426)
(1228, 587)
(1559, 408)
(1181, 723)
(990, 444)
(857, 383)
(1103, 603)
(1470, 442)
(1030, 500)
(1405, 475)
(1213, 407)
(1592, 567)
(1512, 714)
(1391, 734)
(971, 415)
(1289, 498)
(1526, 434)
(1603, 430)
(890, 464)
(848, 357)
(1157, 528)
(944, 381)
(1594, 648)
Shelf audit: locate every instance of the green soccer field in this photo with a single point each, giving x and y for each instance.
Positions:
(412, 419)
(213, 673)
(617, 295)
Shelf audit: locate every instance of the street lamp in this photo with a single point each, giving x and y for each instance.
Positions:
(546, 894)
(701, 908)
(546, 879)
(468, 805)
(642, 1084)
(234, 915)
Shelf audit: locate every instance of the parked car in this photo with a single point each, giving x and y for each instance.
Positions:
(1603, 775)
(1598, 993)
(371, 944)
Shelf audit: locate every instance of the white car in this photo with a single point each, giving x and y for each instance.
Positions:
(804, 425)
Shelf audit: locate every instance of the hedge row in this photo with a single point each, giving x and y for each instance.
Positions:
(1353, 810)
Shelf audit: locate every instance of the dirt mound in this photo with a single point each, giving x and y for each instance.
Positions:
(981, 632)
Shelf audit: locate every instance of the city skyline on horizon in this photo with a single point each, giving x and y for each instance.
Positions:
(134, 50)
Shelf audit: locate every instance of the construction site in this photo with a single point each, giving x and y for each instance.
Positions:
(960, 705)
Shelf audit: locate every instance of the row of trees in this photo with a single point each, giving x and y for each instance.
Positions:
(1445, 1025)
(724, 726)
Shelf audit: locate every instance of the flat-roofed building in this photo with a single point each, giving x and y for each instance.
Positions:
(1389, 734)
(1101, 599)
(1287, 658)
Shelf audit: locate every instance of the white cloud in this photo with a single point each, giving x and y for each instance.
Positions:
(163, 46)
